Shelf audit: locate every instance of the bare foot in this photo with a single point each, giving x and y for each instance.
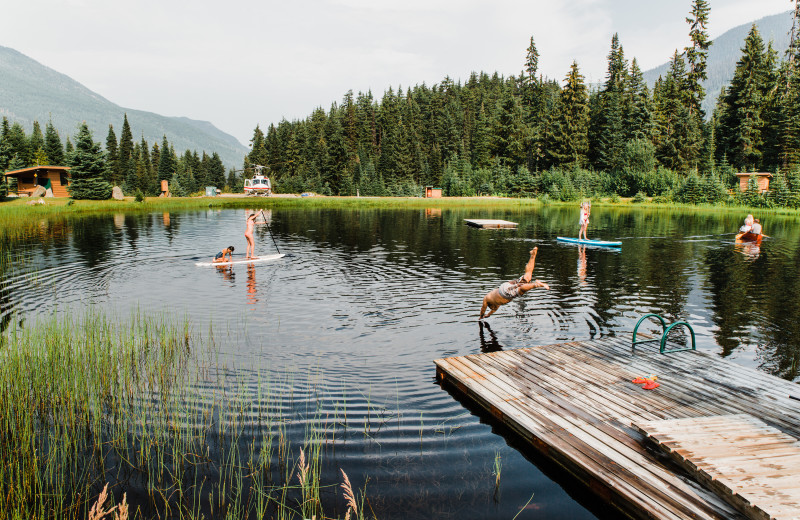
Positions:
(542, 284)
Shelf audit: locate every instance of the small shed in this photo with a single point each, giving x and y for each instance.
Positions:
(433, 193)
(762, 178)
(54, 179)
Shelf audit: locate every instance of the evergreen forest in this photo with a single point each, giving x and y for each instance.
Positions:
(519, 136)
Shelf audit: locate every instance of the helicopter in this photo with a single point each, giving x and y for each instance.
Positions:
(259, 184)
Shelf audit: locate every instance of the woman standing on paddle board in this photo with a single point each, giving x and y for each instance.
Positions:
(586, 208)
(248, 234)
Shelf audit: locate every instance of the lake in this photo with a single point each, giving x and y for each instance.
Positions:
(347, 325)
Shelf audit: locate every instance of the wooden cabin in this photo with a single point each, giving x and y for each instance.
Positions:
(762, 178)
(55, 179)
(433, 193)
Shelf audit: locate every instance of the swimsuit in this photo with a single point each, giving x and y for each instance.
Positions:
(510, 290)
(219, 255)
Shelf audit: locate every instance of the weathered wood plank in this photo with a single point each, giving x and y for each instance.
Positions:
(575, 402)
(731, 454)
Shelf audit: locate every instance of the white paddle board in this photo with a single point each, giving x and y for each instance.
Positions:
(585, 242)
(265, 258)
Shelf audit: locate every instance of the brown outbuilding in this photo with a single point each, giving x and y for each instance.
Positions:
(762, 178)
(54, 179)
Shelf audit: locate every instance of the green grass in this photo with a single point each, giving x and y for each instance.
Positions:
(142, 405)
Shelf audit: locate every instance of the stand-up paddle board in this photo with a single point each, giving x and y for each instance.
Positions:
(265, 258)
(585, 242)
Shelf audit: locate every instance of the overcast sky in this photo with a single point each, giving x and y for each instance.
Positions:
(238, 63)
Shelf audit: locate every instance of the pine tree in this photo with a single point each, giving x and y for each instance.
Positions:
(166, 166)
(87, 168)
(697, 56)
(126, 168)
(568, 142)
(6, 150)
(53, 146)
(742, 106)
(36, 145)
(638, 110)
(112, 156)
(607, 135)
(20, 146)
(216, 171)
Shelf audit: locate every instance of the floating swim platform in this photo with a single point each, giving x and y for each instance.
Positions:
(265, 258)
(491, 224)
(584, 242)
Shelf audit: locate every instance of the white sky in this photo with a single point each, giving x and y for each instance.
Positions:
(238, 63)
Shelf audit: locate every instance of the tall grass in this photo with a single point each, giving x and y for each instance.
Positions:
(97, 409)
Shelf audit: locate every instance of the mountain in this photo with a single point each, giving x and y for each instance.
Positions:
(30, 91)
(726, 50)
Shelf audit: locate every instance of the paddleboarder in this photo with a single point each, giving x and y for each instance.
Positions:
(511, 289)
(248, 234)
(224, 255)
(583, 221)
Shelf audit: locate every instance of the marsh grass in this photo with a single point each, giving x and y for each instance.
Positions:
(97, 413)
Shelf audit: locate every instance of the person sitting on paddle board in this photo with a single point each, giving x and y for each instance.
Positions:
(511, 289)
(748, 224)
(583, 221)
(248, 234)
(221, 256)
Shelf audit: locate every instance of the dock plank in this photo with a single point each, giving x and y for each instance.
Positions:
(732, 454)
(575, 403)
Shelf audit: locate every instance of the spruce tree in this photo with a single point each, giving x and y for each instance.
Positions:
(87, 168)
(53, 146)
(743, 105)
(36, 144)
(697, 56)
(126, 169)
(569, 142)
(112, 156)
(20, 145)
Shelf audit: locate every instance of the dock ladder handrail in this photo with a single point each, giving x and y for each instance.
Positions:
(664, 334)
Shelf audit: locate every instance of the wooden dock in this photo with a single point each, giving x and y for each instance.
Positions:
(490, 224)
(576, 404)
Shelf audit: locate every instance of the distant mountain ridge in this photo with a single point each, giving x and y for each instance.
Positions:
(30, 91)
(726, 51)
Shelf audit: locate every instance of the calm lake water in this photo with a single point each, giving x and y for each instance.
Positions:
(352, 318)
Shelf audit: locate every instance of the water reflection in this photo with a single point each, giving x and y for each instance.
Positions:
(252, 293)
(491, 344)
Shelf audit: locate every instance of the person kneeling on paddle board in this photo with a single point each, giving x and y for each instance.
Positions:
(221, 256)
(511, 289)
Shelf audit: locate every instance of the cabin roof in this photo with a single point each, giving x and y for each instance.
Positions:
(757, 174)
(36, 169)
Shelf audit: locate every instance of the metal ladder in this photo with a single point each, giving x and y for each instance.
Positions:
(664, 335)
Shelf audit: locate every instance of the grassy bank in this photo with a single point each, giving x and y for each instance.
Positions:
(144, 407)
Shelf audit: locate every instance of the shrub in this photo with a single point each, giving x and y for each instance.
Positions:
(639, 198)
(614, 198)
(139, 197)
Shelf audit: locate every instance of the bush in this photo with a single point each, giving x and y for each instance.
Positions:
(614, 198)
(639, 198)
(139, 197)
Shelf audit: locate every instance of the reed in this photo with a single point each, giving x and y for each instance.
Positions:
(140, 413)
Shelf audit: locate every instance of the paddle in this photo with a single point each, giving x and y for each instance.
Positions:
(270, 231)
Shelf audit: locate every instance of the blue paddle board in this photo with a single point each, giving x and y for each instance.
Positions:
(265, 258)
(584, 242)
